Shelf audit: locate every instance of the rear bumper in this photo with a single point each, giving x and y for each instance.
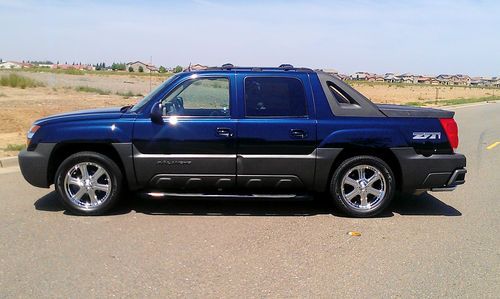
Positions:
(437, 172)
(35, 165)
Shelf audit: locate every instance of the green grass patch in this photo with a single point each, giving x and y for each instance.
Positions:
(404, 85)
(92, 90)
(2, 95)
(18, 81)
(128, 94)
(449, 102)
(466, 100)
(14, 147)
(415, 104)
(103, 72)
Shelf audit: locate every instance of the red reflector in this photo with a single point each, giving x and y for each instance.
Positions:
(451, 129)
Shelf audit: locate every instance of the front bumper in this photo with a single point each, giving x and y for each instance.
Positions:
(438, 172)
(35, 165)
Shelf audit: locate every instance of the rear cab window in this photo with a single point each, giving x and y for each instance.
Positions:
(274, 97)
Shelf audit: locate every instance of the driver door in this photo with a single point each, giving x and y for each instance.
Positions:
(195, 147)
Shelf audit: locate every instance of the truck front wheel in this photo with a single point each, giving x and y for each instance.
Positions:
(88, 183)
(362, 186)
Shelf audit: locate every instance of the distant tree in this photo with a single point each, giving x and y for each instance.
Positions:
(162, 69)
(118, 66)
(141, 69)
(130, 69)
(178, 69)
(103, 65)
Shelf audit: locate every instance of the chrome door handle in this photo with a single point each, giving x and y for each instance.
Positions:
(297, 133)
(224, 132)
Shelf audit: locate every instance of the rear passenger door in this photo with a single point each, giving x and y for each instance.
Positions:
(276, 133)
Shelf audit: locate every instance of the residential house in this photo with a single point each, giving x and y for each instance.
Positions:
(462, 80)
(146, 68)
(374, 78)
(444, 79)
(79, 66)
(423, 79)
(14, 65)
(477, 81)
(360, 76)
(408, 78)
(491, 81)
(392, 78)
(454, 79)
(496, 81)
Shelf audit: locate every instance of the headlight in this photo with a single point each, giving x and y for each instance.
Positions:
(31, 132)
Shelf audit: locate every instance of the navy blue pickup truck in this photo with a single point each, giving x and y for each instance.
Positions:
(247, 132)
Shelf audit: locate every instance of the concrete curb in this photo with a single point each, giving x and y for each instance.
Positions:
(8, 162)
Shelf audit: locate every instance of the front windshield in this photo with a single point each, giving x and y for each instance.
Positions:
(146, 99)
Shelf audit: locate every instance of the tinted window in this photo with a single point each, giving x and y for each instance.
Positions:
(341, 96)
(274, 97)
(201, 97)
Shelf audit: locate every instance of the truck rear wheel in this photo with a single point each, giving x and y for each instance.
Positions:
(88, 183)
(362, 186)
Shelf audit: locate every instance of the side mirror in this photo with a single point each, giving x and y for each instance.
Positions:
(157, 114)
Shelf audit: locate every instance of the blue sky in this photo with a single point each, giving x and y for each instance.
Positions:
(425, 37)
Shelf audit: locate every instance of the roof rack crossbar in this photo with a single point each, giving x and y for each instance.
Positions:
(283, 67)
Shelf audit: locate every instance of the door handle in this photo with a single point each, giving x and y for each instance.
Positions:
(297, 133)
(224, 132)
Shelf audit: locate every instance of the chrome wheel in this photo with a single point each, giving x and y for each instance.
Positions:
(363, 187)
(87, 185)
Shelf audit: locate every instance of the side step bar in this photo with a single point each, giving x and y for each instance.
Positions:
(230, 196)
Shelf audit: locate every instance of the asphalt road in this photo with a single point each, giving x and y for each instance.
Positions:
(434, 245)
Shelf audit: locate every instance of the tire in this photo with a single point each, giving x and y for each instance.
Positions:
(79, 189)
(362, 186)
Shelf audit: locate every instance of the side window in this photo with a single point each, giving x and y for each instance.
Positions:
(341, 96)
(274, 97)
(199, 97)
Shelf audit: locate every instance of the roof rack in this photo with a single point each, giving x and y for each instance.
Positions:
(282, 67)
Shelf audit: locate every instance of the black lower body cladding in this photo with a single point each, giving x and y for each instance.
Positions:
(437, 171)
(34, 164)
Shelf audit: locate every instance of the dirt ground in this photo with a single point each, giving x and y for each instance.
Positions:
(20, 107)
(400, 93)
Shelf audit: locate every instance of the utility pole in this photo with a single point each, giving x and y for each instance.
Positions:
(437, 94)
(151, 64)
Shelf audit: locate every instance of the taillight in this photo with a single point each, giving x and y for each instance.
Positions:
(450, 127)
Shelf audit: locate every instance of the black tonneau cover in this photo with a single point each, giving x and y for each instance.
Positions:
(409, 111)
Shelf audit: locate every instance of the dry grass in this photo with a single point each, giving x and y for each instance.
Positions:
(18, 81)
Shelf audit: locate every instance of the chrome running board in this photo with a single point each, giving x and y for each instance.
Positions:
(229, 196)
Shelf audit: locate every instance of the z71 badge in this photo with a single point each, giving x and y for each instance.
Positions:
(426, 135)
